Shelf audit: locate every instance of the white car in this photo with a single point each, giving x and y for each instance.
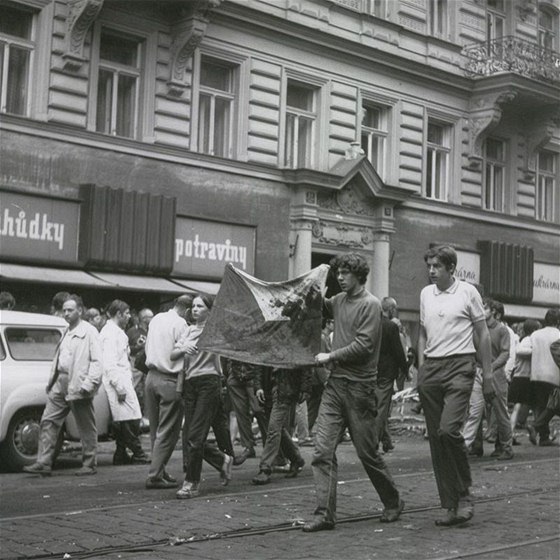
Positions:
(28, 343)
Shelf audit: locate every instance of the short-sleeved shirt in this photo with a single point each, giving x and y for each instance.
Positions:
(448, 317)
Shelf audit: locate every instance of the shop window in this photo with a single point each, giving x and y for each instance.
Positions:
(373, 135)
(16, 53)
(301, 118)
(546, 186)
(548, 26)
(437, 18)
(216, 107)
(493, 181)
(495, 19)
(118, 84)
(438, 149)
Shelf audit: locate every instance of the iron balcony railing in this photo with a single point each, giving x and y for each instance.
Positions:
(511, 54)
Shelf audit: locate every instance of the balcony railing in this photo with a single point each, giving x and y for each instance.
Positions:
(511, 54)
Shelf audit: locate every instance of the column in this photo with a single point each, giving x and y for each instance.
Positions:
(378, 280)
(302, 239)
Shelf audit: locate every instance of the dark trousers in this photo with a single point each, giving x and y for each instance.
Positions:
(445, 386)
(127, 436)
(202, 400)
(349, 404)
(313, 404)
(541, 392)
(384, 393)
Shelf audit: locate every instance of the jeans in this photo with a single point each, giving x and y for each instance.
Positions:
(543, 415)
(277, 435)
(202, 399)
(383, 393)
(349, 404)
(445, 386)
(56, 411)
(164, 407)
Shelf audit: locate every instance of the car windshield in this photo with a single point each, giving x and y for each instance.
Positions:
(32, 343)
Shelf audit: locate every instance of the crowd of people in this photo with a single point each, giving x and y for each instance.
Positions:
(470, 365)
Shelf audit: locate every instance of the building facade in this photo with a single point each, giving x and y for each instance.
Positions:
(168, 138)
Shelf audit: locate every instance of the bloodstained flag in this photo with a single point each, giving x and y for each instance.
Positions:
(267, 323)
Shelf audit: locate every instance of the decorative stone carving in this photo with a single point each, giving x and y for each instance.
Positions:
(186, 36)
(347, 201)
(526, 8)
(343, 235)
(538, 136)
(81, 14)
(485, 115)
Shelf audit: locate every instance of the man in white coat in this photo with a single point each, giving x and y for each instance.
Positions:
(117, 380)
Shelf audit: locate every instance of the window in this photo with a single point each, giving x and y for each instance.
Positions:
(546, 186)
(547, 29)
(495, 20)
(437, 17)
(29, 343)
(118, 84)
(380, 8)
(438, 148)
(493, 184)
(300, 125)
(374, 135)
(216, 108)
(16, 51)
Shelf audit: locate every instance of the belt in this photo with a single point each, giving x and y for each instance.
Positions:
(450, 357)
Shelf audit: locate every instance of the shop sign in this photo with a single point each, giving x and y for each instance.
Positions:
(468, 267)
(38, 228)
(546, 284)
(203, 248)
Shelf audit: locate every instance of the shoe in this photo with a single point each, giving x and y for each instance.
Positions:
(476, 452)
(546, 443)
(188, 490)
(242, 457)
(307, 442)
(261, 478)
(465, 509)
(121, 459)
(496, 453)
(86, 471)
(449, 519)
(318, 524)
(160, 483)
(225, 473)
(392, 514)
(515, 441)
(532, 434)
(506, 455)
(295, 468)
(167, 477)
(252, 453)
(388, 446)
(38, 468)
(140, 460)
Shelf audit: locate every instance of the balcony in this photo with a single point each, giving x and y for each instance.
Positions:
(511, 54)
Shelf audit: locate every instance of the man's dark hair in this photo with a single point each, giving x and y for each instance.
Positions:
(7, 300)
(552, 317)
(115, 306)
(354, 262)
(445, 253)
(59, 299)
(184, 301)
(76, 298)
(530, 326)
(497, 307)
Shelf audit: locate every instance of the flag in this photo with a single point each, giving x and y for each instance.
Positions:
(267, 323)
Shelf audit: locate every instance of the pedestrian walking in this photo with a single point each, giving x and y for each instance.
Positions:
(75, 377)
(118, 383)
(349, 396)
(201, 386)
(545, 376)
(391, 365)
(500, 347)
(164, 405)
(452, 322)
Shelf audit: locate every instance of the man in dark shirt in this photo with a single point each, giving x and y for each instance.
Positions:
(392, 361)
(349, 397)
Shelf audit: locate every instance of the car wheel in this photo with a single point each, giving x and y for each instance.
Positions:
(22, 440)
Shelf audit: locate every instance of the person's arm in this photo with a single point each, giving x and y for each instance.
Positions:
(503, 356)
(184, 346)
(397, 349)
(95, 369)
(422, 338)
(525, 347)
(484, 352)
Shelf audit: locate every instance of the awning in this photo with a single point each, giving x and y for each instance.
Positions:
(139, 283)
(63, 276)
(525, 311)
(199, 286)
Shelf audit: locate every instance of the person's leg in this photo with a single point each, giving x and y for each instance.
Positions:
(56, 411)
(120, 456)
(301, 427)
(313, 404)
(151, 404)
(85, 420)
(542, 414)
(279, 416)
(476, 410)
(241, 406)
(383, 394)
(360, 409)
(131, 437)
(329, 429)
(504, 440)
(168, 424)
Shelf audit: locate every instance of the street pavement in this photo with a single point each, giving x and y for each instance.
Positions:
(112, 516)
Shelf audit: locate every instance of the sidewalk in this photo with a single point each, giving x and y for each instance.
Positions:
(531, 513)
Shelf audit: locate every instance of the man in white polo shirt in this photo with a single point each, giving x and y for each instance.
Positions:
(452, 321)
